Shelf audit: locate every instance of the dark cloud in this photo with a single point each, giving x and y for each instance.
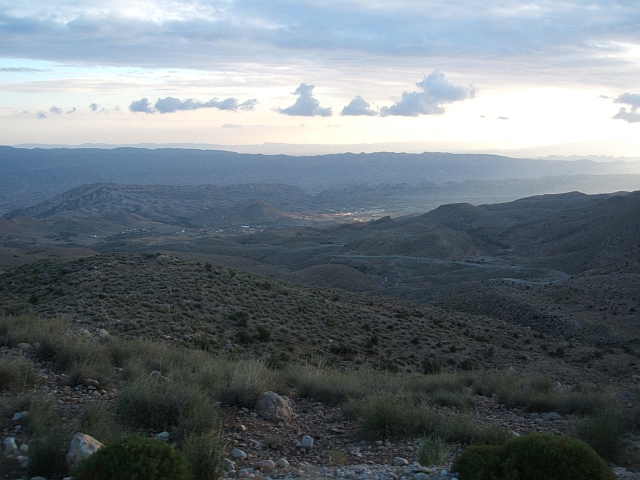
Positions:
(94, 107)
(468, 33)
(435, 91)
(56, 110)
(172, 104)
(19, 70)
(632, 100)
(141, 105)
(358, 106)
(73, 110)
(306, 105)
(41, 115)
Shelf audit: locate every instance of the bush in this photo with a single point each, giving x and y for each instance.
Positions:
(96, 420)
(603, 432)
(47, 453)
(133, 458)
(433, 451)
(154, 404)
(17, 375)
(533, 457)
(204, 454)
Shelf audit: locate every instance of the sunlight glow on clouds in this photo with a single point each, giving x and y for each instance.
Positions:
(206, 60)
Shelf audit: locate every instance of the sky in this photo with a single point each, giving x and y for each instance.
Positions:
(452, 75)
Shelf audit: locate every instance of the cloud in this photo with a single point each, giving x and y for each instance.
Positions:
(632, 100)
(503, 118)
(231, 125)
(56, 110)
(358, 106)
(141, 105)
(305, 105)
(73, 110)
(19, 70)
(41, 115)
(94, 107)
(435, 92)
(172, 104)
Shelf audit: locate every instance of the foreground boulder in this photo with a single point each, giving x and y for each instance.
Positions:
(273, 407)
(82, 447)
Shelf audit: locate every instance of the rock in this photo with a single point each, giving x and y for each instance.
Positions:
(282, 463)
(228, 347)
(24, 448)
(400, 462)
(102, 334)
(422, 476)
(307, 442)
(163, 436)
(265, 466)
(273, 407)
(19, 416)
(551, 416)
(228, 465)
(10, 445)
(83, 332)
(241, 428)
(90, 382)
(82, 446)
(24, 347)
(246, 473)
(239, 454)
(38, 478)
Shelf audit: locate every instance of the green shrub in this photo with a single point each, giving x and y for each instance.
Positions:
(385, 416)
(134, 458)
(604, 433)
(97, 420)
(203, 452)
(533, 457)
(47, 452)
(479, 462)
(158, 405)
(464, 429)
(433, 451)
(17, 375)
(536, 394)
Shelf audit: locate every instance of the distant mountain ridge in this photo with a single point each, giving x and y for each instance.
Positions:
(29, 176)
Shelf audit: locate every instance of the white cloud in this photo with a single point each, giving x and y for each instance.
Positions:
(633, 101)
(56, 110)
(435, 91)
(306, 105)
(358, 106)
(141, 105)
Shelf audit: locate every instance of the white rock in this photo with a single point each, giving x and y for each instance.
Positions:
(102, 333)
(228, 464)
(82, 446)
(282, 462)
(10, 445)
(265, 466)
(24, 448)
(400, 462)
(239, 454)
(19, 416)
(273, 407)
(163, 436)
(307, 442)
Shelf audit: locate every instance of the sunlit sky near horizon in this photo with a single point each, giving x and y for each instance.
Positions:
(489, 74)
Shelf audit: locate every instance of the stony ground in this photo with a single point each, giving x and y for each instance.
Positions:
(337, 452)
